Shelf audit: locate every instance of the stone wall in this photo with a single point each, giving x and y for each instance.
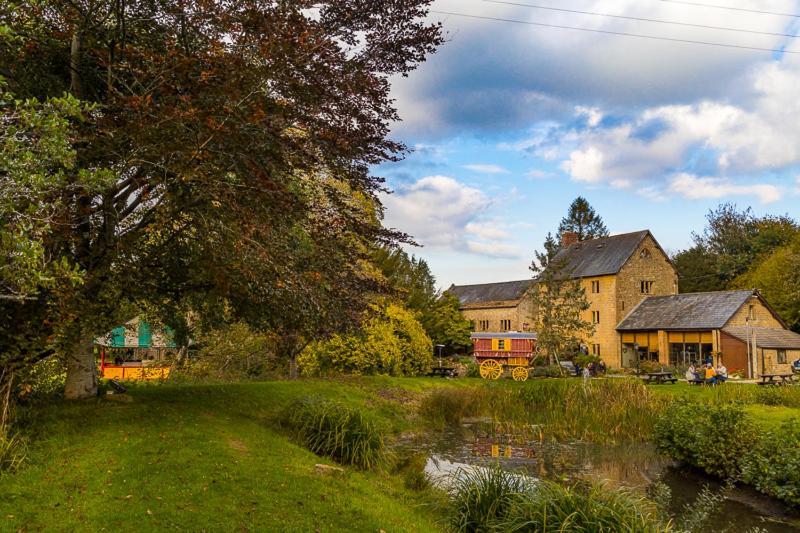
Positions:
(604, 302)
(761, 315)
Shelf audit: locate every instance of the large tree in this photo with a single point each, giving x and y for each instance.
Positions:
(223, 164)
(732, 242)
(583, 220)
(412, 281)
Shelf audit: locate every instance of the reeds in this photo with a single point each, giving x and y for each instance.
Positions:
(601, 411)
(492, 499)
(331, 429)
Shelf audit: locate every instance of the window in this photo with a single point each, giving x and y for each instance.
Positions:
(645, 253)
(525, 326)
(501, 344)
(505, 325)
(595, 317)
(484, 324)
(781, 357)
(647, 287)
(596, 287)
(596, 350)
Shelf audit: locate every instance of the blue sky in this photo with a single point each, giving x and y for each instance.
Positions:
(508, 123)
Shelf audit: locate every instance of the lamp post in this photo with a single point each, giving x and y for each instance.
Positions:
(439, 348)
(638, 359)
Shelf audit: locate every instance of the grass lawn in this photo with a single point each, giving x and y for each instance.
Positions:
(201, 458)
(212, 458)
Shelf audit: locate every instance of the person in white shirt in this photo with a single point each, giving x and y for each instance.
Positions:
(722, 372)
(691, 373)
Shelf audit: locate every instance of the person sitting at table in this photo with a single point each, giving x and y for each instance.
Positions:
(601, 367)
(722, 373)
(691, 373)
(710, 374)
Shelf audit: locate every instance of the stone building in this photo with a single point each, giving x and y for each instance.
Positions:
(616, 272)
(737, 327)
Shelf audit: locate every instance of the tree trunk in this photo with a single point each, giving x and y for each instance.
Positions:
(75, 65)
(293, 373)
(81, 373)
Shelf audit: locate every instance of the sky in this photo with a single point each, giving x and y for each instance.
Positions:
(508, 122)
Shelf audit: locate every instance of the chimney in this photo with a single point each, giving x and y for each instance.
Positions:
(568, 238)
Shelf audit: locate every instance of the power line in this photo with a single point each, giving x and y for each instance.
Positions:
(609, 32)
(642, 19)
(731, 8)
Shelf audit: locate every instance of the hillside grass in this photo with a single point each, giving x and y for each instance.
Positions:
(215, 457)
(201, 458)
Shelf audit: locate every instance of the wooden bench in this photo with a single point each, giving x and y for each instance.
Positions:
(443, 371)
(776, 379)
(660, 377)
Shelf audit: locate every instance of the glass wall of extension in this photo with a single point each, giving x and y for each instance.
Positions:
(683, 347)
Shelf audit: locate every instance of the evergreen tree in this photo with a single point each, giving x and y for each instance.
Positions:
(583, 220)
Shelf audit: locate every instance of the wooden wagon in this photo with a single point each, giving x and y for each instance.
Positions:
(501, 353)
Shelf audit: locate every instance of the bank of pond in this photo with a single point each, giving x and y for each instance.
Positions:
(566, 455)
(404, 454)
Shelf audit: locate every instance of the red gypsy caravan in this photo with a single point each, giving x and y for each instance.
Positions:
(496, 353)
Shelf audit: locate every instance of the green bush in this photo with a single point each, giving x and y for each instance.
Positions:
(773, 466)
(473, 370)
(549, 371)
(332, 429)
(713, 438)
(583, 506)
(391, 342)
(491, 499)
(481, 498)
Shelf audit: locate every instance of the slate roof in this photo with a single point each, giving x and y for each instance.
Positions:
(490, 292)
(600, 257)
(767, 337)
(698, 310)
(503, 335)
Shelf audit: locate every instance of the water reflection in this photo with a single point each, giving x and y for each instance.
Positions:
(522, 449)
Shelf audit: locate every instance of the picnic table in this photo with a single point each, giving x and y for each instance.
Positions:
(444, 371)
(660, 377)
(776, 379)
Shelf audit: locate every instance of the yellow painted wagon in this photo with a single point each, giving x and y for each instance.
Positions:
(506, 353)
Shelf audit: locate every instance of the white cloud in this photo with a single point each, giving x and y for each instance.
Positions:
(593, 115)
(487, 230)
(435, 210)
(486, 169)
(536, 174)
(494, 249)
(440, 212)
(585, 165)
(697, 187)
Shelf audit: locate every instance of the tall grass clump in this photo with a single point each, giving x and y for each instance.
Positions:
(491, 499)
(328, 428)
(12, 451)
(601, 411)
(481, 499)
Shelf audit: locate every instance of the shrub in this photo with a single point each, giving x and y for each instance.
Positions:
(491, 499)
(473, 370)
(713, 438)
(391, 342)
(332, 429)
(549, 371)
(481, 498)
(583, 506)
(773, 466)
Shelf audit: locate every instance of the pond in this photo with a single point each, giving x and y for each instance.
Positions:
(519, 449)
